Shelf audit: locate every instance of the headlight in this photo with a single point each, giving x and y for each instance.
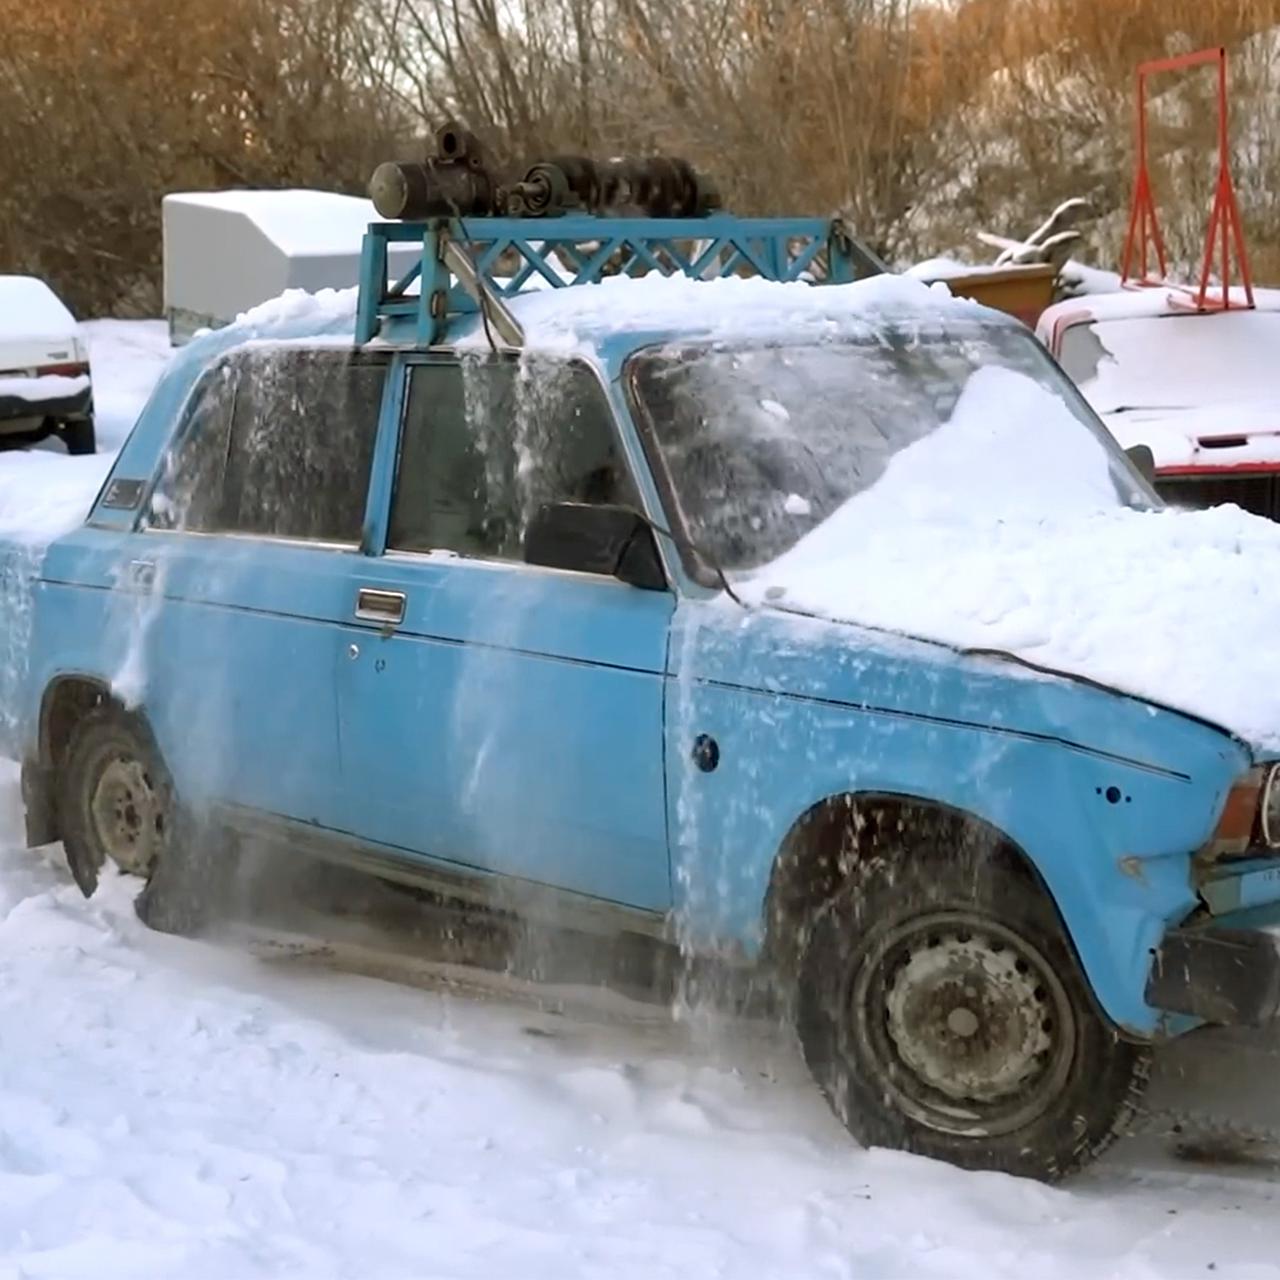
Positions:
(1271, 808)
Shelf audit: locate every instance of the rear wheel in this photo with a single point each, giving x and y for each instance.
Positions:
(942, 1011)
(80, 436)
(116, 803)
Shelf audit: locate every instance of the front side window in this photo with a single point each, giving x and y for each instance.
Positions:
(486, 442)
(278, 442)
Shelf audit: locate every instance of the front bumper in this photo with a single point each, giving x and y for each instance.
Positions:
(1218, 974)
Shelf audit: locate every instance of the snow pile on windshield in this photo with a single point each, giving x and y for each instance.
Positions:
(1001, 530)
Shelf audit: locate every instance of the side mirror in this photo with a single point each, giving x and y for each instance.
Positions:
(608, 540)
(1144, 460)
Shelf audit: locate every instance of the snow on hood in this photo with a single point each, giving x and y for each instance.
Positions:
(989, 535)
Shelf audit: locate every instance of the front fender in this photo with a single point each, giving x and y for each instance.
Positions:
(1110, 837)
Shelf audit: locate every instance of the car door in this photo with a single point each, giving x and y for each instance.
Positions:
(495, 714)
(241, 583)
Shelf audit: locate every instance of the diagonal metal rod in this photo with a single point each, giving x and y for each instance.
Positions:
(490, 304)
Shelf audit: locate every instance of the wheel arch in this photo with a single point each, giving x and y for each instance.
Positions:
(836, 834)
(67, 699)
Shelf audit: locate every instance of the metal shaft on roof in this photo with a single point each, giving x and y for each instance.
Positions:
(458, 182)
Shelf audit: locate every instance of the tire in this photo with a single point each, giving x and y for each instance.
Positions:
(80, 436)
(942, 1011)
(116, 803)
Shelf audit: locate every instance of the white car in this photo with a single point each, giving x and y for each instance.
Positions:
(1200, 389)
(45, 388)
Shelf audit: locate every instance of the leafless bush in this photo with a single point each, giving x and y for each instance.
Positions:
(921, 121)
(105, 107)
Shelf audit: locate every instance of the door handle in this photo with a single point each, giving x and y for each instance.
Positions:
(376, 605)
(142, 573)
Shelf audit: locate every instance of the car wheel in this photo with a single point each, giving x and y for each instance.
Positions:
(80, 436)
(116, 803)
(942, 1011)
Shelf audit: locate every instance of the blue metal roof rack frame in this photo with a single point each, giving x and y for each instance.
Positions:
(588, 248)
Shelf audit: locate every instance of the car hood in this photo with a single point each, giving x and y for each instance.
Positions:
(1002, 533)
(1061, 715)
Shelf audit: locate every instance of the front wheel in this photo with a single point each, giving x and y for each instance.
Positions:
(943, 1012)
(116, 803)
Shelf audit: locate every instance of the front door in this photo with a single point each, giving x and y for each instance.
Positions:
(497, 715)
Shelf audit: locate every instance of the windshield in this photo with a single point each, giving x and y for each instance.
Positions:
(762, 444)
(1174, 362)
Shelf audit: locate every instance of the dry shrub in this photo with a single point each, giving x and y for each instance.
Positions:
(106, 106)
(923, 121)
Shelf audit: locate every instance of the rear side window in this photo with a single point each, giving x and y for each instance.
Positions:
(188, 491)
(280, 445)
(486, 442)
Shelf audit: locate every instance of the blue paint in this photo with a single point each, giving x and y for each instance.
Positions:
(540, 725)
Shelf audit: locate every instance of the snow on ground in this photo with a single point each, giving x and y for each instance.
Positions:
(125, 358)
(181, 1109)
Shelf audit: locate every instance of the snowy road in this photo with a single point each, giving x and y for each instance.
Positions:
(185, 1109)
(173, 1108)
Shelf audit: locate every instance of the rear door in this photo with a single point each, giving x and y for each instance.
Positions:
(242, 580)
(505, 716)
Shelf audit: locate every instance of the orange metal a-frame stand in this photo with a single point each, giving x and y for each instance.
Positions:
(1224, 222)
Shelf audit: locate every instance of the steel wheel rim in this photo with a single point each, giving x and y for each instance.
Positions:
(127, 814)
(968, 1027)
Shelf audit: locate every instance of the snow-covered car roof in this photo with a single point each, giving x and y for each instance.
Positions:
(30, 309)
(621, 311)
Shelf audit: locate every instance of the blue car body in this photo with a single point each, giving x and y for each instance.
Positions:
(525, 729)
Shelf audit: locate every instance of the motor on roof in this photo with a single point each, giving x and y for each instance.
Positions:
(458, 181)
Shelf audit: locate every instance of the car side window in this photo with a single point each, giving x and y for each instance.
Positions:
(486, 442)
(188, 491)
(278, 442)
(302, 435)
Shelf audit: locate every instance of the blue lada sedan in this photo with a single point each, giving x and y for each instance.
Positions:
(461, 596)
